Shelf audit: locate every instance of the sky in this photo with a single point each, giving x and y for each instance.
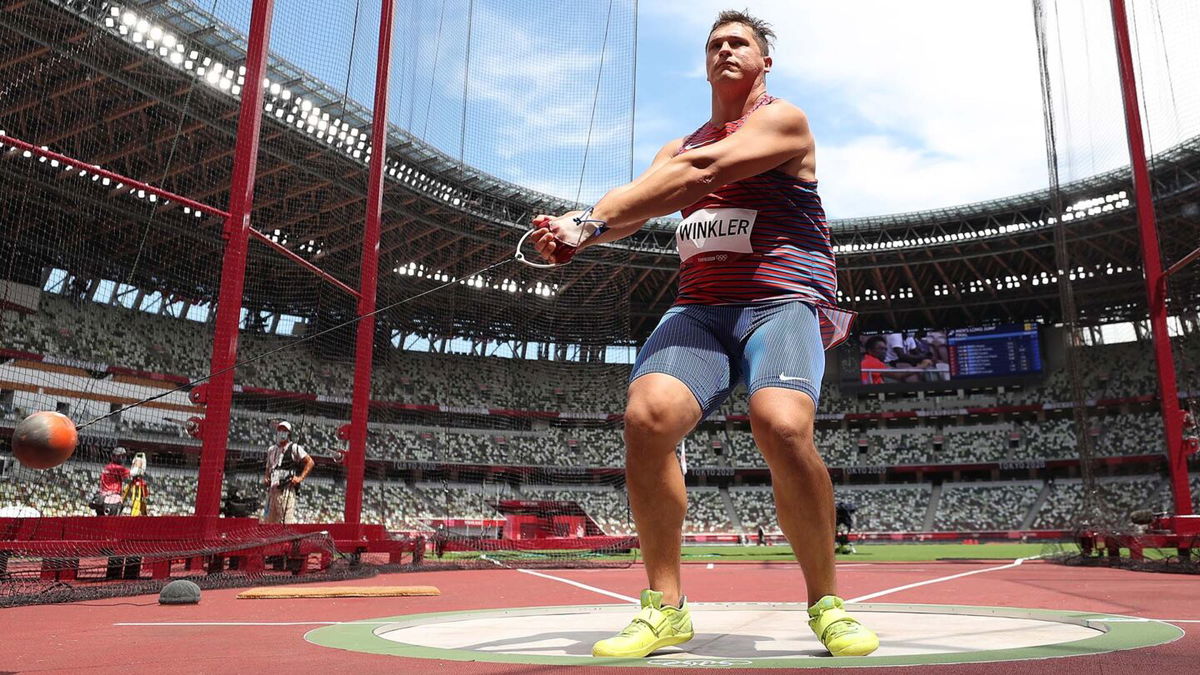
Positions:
(910, 109)
(932, 103)
(914, 106)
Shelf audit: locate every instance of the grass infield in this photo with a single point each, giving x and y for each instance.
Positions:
(871, 552)
(783, 554)
(999, 551)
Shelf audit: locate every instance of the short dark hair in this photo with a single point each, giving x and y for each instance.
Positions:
(873, 339)
(762, 30)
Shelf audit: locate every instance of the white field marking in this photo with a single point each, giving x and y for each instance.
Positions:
(889, 591)
(576, 584)
(569, 582)
(256, 623)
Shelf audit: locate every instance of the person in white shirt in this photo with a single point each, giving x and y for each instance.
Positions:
(287, 466)
(895, 348)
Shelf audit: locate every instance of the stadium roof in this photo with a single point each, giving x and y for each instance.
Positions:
(85, 81)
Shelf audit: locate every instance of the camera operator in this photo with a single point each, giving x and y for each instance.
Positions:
(287, 466)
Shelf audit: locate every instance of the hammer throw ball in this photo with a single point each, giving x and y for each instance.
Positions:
(44, 440)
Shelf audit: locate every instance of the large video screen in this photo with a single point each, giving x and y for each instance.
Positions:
(933, 356)
(1000, 351)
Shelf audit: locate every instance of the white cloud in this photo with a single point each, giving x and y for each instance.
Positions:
(915, 105)
(531, 94)
(937, 103)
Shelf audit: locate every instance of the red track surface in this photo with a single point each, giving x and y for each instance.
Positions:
(83, 637)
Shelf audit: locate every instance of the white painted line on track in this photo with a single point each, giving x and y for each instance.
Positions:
(889, 591)
(255, 623)
(577, 584)
(569, 582)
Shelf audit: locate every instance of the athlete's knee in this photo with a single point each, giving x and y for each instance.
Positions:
(782, 418)
(780, 432)
(783, 437)
(658, 412)
(653, 420)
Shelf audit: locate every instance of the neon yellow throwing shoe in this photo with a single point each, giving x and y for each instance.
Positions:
(654, 627)
(842, 634)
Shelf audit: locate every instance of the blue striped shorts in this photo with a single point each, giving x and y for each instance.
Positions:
(711, 348)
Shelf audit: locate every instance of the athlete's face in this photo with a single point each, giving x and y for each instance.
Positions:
(733, 54)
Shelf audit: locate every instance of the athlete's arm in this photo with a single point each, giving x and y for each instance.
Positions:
(620, 231)
(774, 134)
(544, 240)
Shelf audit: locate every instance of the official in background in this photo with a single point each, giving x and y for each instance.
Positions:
(107, 500)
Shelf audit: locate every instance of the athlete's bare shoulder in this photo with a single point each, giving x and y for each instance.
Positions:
(784, 115)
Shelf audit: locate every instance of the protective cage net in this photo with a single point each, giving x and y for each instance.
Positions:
(494, 423)
(1087, 147)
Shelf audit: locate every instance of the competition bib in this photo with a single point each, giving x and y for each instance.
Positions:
(712, 230)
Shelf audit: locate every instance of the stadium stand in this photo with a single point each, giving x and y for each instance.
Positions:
(985, 506)
(102, 334)
(883, 508)
(94, 335)
(1119, 495)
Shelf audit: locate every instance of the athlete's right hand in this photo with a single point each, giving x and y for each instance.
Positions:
(548, 244)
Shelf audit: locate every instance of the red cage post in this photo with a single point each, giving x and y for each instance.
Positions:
(219, 389)
(1156, 281)
(364, 346)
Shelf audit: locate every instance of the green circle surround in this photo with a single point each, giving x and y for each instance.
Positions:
(1117, 633)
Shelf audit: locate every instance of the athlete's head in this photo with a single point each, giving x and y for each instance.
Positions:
(738, 48)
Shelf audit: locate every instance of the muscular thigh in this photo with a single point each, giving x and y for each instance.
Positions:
(691, 345)
(783, 350)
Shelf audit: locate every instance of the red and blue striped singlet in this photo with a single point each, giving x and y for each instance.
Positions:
(760, 239)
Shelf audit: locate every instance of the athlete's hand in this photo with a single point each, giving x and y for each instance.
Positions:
(557, 240)
(547, 246)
